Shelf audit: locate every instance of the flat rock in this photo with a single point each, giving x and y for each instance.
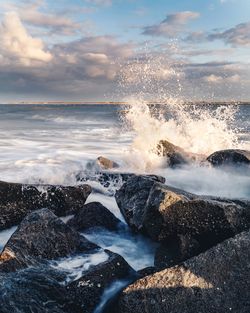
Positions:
(94, 214)
(230, 157)
(41, 236)
(215, 281)
(17, 200)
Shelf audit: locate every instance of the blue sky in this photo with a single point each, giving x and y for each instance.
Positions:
(79, 49)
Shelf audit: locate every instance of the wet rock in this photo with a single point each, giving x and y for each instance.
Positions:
(106, 164)
(176, 218)
(17, 200)
(87, 291)
(41, 236)
(176, 155)
(94, 214)
(231, 157)
(37, 290)
(110, 181)
(215, 281)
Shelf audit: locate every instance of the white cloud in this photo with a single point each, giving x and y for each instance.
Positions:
(18, 45)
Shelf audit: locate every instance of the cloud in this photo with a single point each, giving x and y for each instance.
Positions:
(171, 25)
(220, 79)
(236, 36)
(17, 45)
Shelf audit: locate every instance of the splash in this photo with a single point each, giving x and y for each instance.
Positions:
(197, 128)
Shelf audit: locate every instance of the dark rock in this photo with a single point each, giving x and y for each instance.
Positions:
(110, 180)
(215, 281)
(17, 200)
(147, 271)
(41, 235)
(87, 291)
(94, 214)
(131, 199)
(175, 250)
(231, 157)
(106, 164)
(176, 155)
(170, 215)
(32, 290)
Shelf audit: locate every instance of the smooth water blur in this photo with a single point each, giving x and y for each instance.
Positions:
(51, 143)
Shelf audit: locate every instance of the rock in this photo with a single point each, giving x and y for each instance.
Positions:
(106, 164)
(41, 235)
(110, 181)
(231, 157)
(87, 291)
(170, 215)
(215, 281)
(37, 290)
(176, 155)
(175, 250)
(17, 200)
(94, 214)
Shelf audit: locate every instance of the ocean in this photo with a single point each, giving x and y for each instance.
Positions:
(51, 144)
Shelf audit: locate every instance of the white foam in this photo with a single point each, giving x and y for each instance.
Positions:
(75, 266)
(5, 236)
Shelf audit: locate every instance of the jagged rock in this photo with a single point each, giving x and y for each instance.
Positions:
(17, 200)
(41, 235)
(176, 155)
(215, 281)
(165, 213)
(37, 290)
(230, 157)
(87, 291)
(94, 214)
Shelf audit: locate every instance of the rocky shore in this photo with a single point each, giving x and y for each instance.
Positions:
(201, 260)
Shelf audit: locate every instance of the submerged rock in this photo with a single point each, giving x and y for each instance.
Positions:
(215, 281)
(176, 156)
(41, 236)
(230, 157)
(87, 291)
(94, 214)
(17, 200)
(185, 223)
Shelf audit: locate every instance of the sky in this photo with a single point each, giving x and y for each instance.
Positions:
(101, 50)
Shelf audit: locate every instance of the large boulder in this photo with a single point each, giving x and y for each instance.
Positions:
(94, 214)
(176, 156)
(230, 157)
(176, 218)
(41, 236)
(88, 291)
(17, 200)
(215, 281)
